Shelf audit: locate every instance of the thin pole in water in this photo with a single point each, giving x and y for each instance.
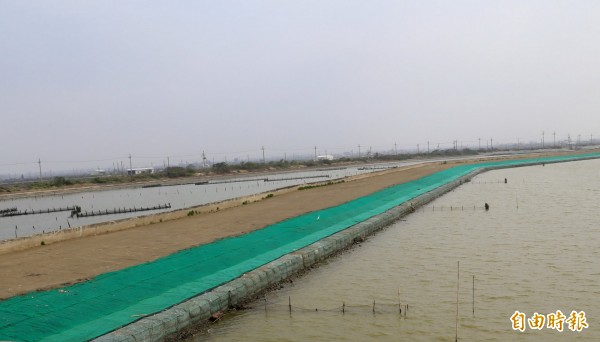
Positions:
(473, 296)
(457, 286)
(399, 304)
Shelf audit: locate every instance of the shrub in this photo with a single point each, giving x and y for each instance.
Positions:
(99, 180)
(221, 168)
(61, 181)
(177, 171)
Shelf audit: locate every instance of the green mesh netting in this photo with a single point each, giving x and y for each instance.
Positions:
(111, 300)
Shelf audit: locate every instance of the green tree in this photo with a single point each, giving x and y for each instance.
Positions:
(221, 168)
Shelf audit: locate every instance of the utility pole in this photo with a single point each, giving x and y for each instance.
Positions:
(203, 160)
(130, 167)
(491, 143)
(479, 143)
(554, 134)
(315, 152)
(358, 151)
(427, 146)
(543, 142)
(263, 151)
(395, 149)
(40, 165)
(168, 163)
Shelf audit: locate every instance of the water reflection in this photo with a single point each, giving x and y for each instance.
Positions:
(179, 197)
(535, 250)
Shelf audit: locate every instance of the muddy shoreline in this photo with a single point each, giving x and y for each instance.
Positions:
(166, 181)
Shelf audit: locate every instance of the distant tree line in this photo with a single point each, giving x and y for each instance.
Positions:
(219, 169)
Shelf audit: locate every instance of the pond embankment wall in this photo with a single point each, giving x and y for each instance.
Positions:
(199, 309)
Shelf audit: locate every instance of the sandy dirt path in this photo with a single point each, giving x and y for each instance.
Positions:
(79, 259)
(75, 260)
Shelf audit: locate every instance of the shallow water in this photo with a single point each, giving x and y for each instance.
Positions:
(535, 250)
(179, 197)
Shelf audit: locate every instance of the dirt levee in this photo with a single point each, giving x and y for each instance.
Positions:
(75, 260)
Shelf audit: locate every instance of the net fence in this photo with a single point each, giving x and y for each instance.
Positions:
(93, 308)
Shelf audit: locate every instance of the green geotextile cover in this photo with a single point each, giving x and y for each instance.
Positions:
(112, 300)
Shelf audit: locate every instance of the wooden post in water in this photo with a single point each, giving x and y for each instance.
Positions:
(399, 304)
(473, 296)
(373, 306)
(290, 303)
(457, 286)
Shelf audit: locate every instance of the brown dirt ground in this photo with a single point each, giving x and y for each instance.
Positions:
(75, 260)
(71, 261)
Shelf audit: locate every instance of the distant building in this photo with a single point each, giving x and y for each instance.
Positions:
(99, 173)
(140, 170)
(325, 157)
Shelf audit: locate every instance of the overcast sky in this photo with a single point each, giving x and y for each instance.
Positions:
(85, 83)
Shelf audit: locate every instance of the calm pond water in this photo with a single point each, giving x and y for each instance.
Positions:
(179, 197)
(535, 250)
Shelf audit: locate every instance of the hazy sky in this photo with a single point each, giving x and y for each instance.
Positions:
(85, 83)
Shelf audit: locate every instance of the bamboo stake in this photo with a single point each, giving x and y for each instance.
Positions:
(457, 286)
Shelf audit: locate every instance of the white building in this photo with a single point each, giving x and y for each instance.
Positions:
(325, 157)
(140, 170)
